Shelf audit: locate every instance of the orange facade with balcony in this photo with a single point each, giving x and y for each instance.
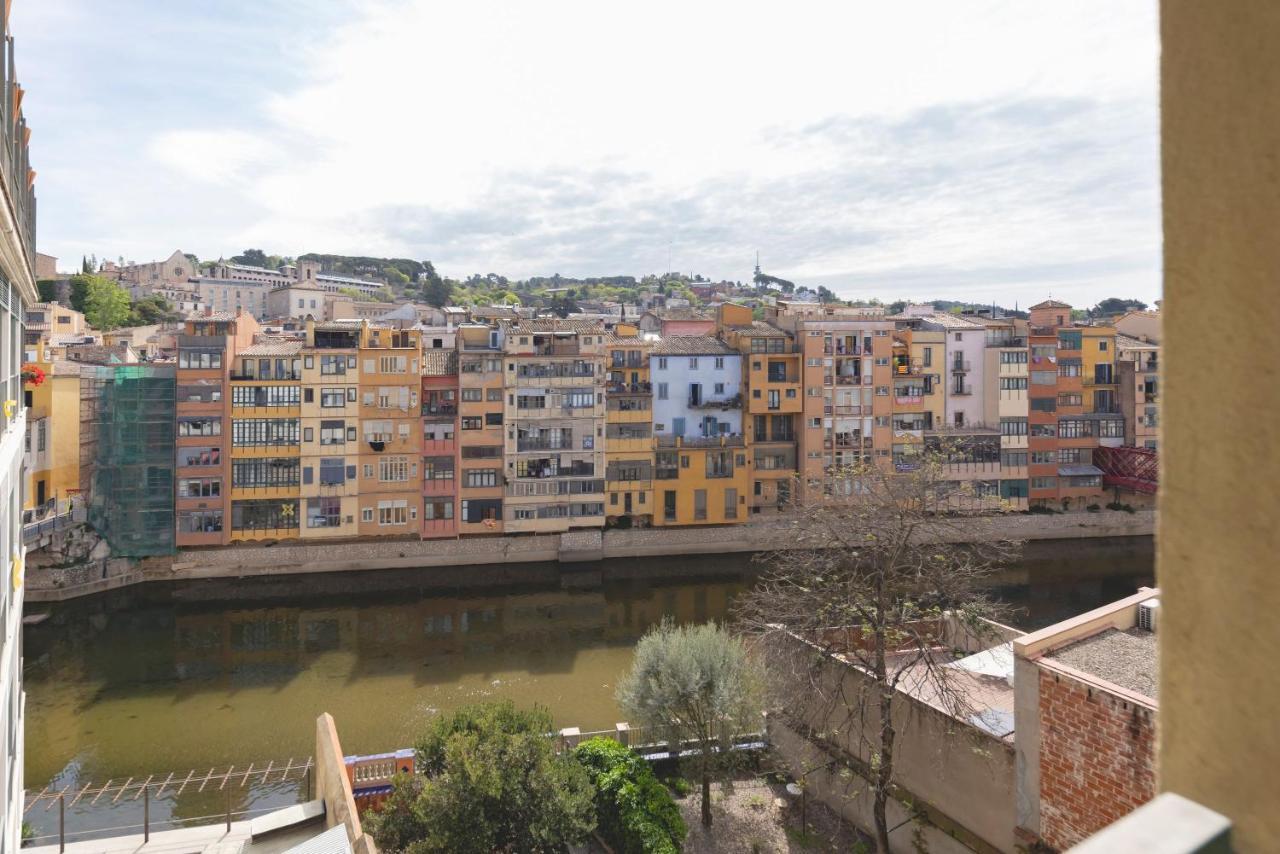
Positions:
(440, 462)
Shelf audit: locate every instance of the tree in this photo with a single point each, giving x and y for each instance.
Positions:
(877, 576)
(251, 258)
(635, 813)
(1115, 305)
(105, 304)
(47, 289)
(437, 291)
(151, 310)
(693, 682)
(488, 779)
(825, 295)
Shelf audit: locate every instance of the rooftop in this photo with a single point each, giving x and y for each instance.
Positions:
(272, 348)
(439, 363)
(1126, 342)
(692, 345)
(1126, 658)
(760, 329)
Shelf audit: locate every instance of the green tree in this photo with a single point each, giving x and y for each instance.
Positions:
(48, 290)
(636, 813)
(104, 303)
(694, 682)
(151, 310)
(437, 291)
(1115, 305)
(488, 780)
(251, 258)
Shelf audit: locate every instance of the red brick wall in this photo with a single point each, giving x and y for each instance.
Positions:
(1097, 759)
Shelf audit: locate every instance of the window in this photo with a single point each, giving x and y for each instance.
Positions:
(249, 432)
(324, 512)
(203, 487)
(480, 478)
(395, 469)
(699, 504)
(265, 472)
(669, 505)
(264, 514)
(1013, 357)
(662, 363)
(377, 431)
(1070, 456)
(333, 471)
(882, 391)
(662, 391)
(472, 422)
(719, 388)
(333, 432)
(472, 395)
(493, 419)
(393, 512)
(186, 427)
(1044, 377)
(1044, 404)
(199, 521)
(482, 452)
(1070, 399)
(1068, 367)
(1102, 346)
(199, 359)
(928, 356)
(1040, 458)
(1044, 431)
(1013, 426)
(1044, 483)
(270, 396)
(719, 363)
(332, 397)
(437, 468)
(366, 514)
(1013, 383)
(693, 363)
(531, 401)
(1013, 459)
(393, 364)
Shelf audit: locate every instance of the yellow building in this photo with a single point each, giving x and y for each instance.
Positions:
(628, 427)
(1098, 358)
(52, 449)
(700, 481)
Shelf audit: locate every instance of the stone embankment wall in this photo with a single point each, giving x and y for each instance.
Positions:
(574, 548)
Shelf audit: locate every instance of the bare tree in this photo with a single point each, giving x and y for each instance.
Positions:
(884, 568)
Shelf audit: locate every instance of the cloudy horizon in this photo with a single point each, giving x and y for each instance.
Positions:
(993, 151)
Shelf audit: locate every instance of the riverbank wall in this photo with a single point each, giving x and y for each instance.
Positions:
(576, 552)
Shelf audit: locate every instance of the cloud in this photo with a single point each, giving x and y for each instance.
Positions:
(1000, 147)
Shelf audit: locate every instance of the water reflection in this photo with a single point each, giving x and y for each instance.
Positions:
(190, 676)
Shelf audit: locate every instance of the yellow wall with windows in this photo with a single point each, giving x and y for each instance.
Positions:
(57, 401)
(692, 477)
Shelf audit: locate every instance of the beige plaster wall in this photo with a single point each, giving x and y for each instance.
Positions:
(1218, 535)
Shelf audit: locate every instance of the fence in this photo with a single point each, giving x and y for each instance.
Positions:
(33, 531)
(76, 812)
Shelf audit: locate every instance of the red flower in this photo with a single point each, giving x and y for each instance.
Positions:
(32, 375)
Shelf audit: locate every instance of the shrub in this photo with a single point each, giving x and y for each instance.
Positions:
(679, 786)
(635, 813)
(1093, 508)
(1040, 509)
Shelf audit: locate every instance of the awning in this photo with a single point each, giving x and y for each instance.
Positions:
(1078, 471)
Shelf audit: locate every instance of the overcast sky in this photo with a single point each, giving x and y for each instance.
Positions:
(983, 150)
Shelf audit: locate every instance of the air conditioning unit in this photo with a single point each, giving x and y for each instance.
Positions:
(1148, 611)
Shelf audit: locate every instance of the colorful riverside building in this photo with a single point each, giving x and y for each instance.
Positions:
(701, 467)
(390, 486)
(207, 350)
(1005, 402)
(554, 449)
(266, 441)
(439, 443)
(628, 429)
(328, 467)
(1073, 407)
(480, 436)
(847, 378)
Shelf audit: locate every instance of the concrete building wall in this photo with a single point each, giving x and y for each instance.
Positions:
(672, 377)
(1219, 500)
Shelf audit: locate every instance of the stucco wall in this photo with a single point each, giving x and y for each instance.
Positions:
(1218, 539)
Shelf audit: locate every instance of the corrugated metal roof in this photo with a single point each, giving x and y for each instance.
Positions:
(1078, 471)
(332, 841)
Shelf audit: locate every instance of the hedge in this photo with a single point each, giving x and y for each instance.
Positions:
(635, 813)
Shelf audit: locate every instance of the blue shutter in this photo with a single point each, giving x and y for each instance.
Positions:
(306, 475)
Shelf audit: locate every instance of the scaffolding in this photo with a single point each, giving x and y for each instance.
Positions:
(128, 418)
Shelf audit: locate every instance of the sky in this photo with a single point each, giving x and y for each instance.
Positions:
(987, 151)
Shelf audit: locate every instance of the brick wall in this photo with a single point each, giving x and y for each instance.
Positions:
(1097, 759)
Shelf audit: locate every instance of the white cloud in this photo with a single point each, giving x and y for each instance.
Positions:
(849, 142)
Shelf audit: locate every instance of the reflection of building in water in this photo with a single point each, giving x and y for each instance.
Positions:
(269, 644)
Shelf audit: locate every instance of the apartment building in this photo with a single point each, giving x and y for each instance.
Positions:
(230, 295)
(327, 470)
(1138, 390)
(52, 457)
(628, 427)
(480, 436)
(1072, 407)
(390, 486)
(48, 319)
(17, 296)
(440, 463)
(207, 351)
(701, 469)
(1005, 374)
(554, 447)
(848, 376)
(266, 441)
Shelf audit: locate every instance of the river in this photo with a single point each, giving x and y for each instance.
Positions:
(191, 675)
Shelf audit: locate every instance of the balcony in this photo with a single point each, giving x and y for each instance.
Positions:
(734, 402)
(848, 380)
(782, 377)
(439, 410)
(960, 366)
(961, 391)
(848, 410)
(1009, 341)
(908, 400)
(204, 342)
(630, 388)
(291, 376)
(564, 444)
(726, 441)
(557, 349)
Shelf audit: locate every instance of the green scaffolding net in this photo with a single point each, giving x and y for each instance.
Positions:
(128, 418)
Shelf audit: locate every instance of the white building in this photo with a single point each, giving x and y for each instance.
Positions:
(697, 387)
(226, 295)
(17, 294)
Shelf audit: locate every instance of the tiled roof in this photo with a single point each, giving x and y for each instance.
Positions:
(680, 313)
(440, 363)
(1050, 303)
(216, 317)
(613, 340)
(1126, 342)
(272, 348)
(553, 325)
(761, 329)
(692, 345)
(952, 321)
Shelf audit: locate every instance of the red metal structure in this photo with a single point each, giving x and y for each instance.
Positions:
(1135, 469)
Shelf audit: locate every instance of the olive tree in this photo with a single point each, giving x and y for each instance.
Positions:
(695, 683)
(488, 779)
(884, 571)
